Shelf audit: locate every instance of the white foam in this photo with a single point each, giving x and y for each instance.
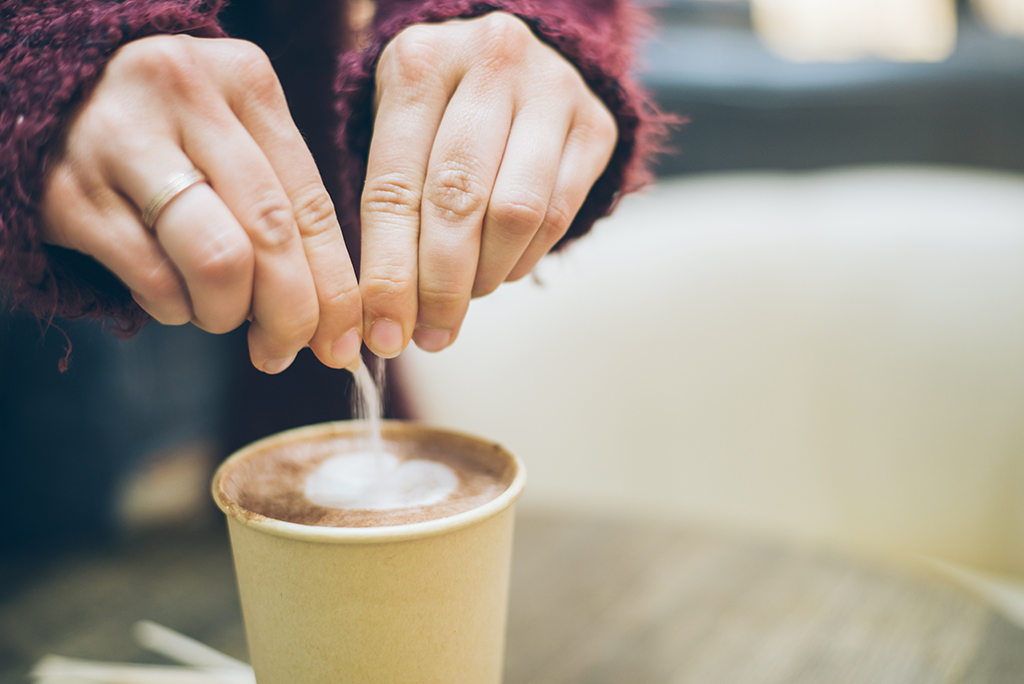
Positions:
(368, 480)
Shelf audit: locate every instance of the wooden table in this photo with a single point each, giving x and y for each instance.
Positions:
(592, 602)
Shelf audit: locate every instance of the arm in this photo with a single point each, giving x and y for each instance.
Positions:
(52, 53)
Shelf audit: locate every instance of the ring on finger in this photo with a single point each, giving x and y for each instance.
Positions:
(179, 184)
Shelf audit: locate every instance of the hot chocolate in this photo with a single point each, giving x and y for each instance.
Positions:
(337, 480)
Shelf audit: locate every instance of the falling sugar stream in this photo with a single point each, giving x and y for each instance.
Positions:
(367, 406)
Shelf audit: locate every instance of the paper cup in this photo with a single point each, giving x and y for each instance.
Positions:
(419, 603)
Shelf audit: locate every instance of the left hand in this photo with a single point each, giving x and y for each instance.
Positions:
(485, 145)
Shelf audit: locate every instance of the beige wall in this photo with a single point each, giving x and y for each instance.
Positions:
(836, 356)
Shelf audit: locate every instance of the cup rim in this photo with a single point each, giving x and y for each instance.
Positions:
(350, 535)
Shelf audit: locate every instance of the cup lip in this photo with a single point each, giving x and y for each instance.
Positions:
(355, 535)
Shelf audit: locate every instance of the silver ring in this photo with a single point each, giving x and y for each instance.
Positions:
(179, 184)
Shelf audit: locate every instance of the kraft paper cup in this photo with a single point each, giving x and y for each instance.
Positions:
(418, 603)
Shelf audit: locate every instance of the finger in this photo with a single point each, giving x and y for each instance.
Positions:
(408, 117)
(522, 191)
(464, 164)
(284, 301)
(588, 149)
(123, 246)
(261, 108)
(197, 232)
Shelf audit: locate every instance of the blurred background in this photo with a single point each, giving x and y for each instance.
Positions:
(811, 327)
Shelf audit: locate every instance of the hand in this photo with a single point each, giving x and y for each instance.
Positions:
(485, 145)
(260, 240)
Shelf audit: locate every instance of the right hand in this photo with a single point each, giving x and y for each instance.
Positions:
(260, 240)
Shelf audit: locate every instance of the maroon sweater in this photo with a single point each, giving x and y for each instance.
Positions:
(52, 52)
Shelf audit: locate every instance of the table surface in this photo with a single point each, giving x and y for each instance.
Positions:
(592, 601)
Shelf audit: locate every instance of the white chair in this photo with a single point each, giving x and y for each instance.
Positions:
(834, 356)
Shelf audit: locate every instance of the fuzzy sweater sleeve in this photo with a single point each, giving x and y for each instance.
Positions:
(52, 52)
(597, 36)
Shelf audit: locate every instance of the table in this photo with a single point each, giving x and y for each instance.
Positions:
(592, 601)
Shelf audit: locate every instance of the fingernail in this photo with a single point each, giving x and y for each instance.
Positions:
(386, 338)
(346, 347)
(275, 366)
(432, 339)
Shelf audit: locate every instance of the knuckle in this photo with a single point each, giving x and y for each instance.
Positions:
(101, 130)
(386, 285)
(255, 73)
(391, 194)
(557, 221)
(606, 127)
(297, 329)
(224, 261)
(566, 79)
(292, 328)
(441, 296)
(339, 295)
(600, 125)
(314, 212)
(505, 35)
(272, 223)
(412, 54)
(263, 87)
(161, 287)
(519, 215)
(456, 192)
(340, 309)
(247, 53)
(109, 123)
(154, 52)
(306, 322)
(164, 60)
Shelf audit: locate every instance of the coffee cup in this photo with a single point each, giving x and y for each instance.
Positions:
(414, 594)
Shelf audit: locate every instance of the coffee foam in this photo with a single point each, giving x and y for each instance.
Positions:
(337, 481)
(379, 481)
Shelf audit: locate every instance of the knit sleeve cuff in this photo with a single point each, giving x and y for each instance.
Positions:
(597, 41)
(52, 53)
